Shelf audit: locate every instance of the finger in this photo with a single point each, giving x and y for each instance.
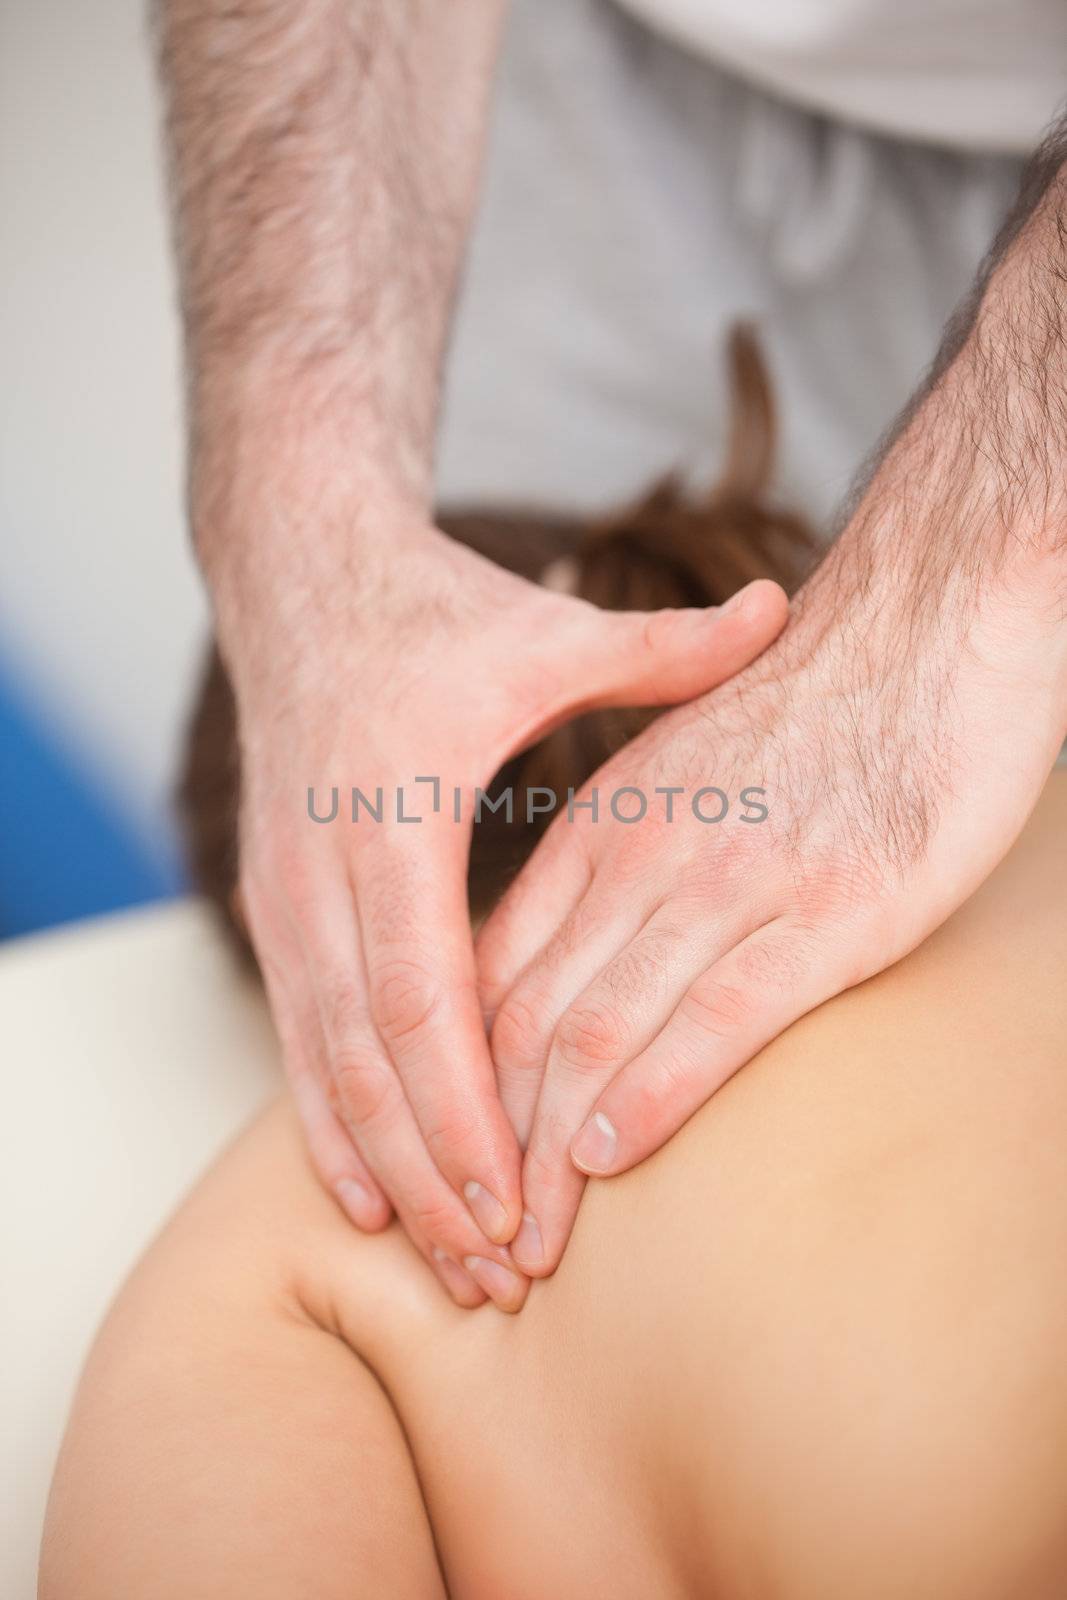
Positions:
(588, 940)
(331, 944)
(373, 1107)
(456, 1279)
(663, 657)
(612, 1019)
(344, 1172)
(539, 900)
(617, 658)
(336, 1159)
(423, 999)
(760, 986)
(340, 1167)
(338, 1164)
(331, 1149)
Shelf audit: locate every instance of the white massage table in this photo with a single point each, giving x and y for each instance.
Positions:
(133, 1050)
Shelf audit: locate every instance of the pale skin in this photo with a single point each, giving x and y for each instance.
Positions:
(814, 1349)
(325, 160)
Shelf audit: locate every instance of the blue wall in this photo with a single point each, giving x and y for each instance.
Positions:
(66, 849)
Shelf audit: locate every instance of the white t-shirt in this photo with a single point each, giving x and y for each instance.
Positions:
(974, 74)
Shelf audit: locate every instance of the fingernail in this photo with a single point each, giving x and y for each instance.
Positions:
(526, 1246)
(594, 1149)
(499, 1284)
(357, 1201)
(488, 1213)
(459, 1282)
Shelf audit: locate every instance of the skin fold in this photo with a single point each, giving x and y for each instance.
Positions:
(812, 1349)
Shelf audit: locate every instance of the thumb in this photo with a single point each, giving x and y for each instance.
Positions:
(648, 658)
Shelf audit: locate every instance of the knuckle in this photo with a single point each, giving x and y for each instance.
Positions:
(719, 1010)
(366, 1089)
(436, 1217)
(590, 1037)
(520, 1032)
(547, 1154)
(836, 880)
(721, 872)
(390, 900)
(636, 852)
(654, 1096)
(640, 975)
(450, 1132)
(779, 964)
(344, 1008)
(540, 1170)
(404, 1001)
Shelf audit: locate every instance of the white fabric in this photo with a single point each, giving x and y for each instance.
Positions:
(983, 74)
(637, 200)
(133, 1052)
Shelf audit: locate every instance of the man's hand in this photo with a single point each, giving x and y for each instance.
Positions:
(425, 663)
(324, 156)
(901, 729)
(633, 968)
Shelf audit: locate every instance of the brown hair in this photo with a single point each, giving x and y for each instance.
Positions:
(665, 550)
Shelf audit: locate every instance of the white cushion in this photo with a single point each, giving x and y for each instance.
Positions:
(134, 1049)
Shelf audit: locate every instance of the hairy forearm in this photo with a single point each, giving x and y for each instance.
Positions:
(964, 505)
(933, 634)
(324, 158)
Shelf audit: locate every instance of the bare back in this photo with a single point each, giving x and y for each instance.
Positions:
(813, 1349)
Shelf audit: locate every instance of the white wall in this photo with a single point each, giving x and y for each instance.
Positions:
(99, 600)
